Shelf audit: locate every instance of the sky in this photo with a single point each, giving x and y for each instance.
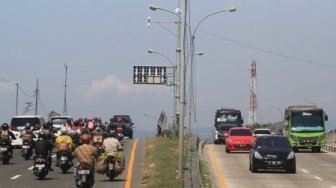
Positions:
(293, 43)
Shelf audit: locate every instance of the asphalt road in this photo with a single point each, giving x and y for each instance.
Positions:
(232, 170)
(19, 174)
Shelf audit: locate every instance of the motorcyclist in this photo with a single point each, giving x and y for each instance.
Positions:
(85, 153)
(97, 135)
(111, 144)
(27, 134)
(5, 133)
(43, 147)
(63, 138)
(47, 130)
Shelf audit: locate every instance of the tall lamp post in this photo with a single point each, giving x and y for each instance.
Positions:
(174, 67)
(192, 52)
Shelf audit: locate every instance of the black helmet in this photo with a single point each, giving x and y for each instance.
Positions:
(50, 123)
(112, 134)
(41, 136)
(5, 126)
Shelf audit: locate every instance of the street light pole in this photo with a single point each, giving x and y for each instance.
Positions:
(192, 52)
(174, 81)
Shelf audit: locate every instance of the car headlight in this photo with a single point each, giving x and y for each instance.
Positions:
(290, 155)
(228, 140)
(257, 155)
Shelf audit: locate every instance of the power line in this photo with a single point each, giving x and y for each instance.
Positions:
(269, 51)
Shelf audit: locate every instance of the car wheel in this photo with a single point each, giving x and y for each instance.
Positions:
(227, 150)
(292, 169)
(253, 168)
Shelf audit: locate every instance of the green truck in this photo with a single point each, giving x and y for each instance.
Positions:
(305, 127)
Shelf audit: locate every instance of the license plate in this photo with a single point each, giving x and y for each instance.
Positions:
(64, 158)
(40, 165)
(274, 163)
(110, 166)
(81, 172)
(3, 149)
(25, 147)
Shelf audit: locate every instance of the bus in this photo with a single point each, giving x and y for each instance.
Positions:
(226, 118)
(305, 127)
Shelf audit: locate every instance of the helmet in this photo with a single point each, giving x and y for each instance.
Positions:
(76, 123)
(45, 125)
(99, 120)
(85, 138)
(112, 134)
(27, 126)
(80, 119)
(50, 123)
(64, 131)
(5, 126)
(41, 136)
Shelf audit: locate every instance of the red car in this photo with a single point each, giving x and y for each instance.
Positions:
(239, 139)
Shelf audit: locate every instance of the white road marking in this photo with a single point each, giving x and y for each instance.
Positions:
(31, 168)
(305, 171)
(15, 177)
(318, 178)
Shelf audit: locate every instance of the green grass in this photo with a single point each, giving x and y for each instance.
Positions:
(161, 163)
(204, 173)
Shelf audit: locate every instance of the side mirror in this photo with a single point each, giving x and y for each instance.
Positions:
(325, 118)
(287, 118)
(226, 135)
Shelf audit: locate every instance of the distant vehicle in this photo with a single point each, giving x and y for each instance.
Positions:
(127, 121)
(18, 124)
(226, 118)
(305, 127)
(272, 152)
(59, 122)
(239, 139)
(261, 132)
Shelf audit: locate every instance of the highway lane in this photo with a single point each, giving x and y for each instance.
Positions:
(19, 174)
(232, 170)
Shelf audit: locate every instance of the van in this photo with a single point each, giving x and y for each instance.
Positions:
(18, 124)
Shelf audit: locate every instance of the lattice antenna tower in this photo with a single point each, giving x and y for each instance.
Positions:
(253, 94)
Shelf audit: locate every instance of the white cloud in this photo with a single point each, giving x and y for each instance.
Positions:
(114, 84)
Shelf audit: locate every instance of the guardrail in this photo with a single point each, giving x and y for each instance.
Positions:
(191, 173)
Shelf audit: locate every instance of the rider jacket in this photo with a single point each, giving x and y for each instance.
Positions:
(43, 147)
(86, 153)
(111, 146)
(65, 139)
(7, 133)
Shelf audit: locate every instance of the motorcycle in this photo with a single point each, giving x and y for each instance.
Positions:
(5, 150)
(84, 176)
(65, 162)
(110, 167)
(98, 146)
(120, 132)
(27, 150)
(41, 168)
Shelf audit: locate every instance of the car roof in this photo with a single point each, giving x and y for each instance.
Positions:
(55, 117)
(27, 116)
(241, 128)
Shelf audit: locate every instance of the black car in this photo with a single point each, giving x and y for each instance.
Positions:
(272, 152)
(126, 121)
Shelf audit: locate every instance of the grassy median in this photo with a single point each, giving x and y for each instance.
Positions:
(161, 163)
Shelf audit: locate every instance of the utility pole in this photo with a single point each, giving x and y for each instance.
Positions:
(182, 89)
(36, 98)
(65, 90)
(17, 99)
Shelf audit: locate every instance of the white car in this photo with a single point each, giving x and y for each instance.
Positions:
(261, 132)
(59, 122)
(18, 123)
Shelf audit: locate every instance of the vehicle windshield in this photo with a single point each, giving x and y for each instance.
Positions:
(307, 121)
(240, 132)
(228, 118)
(262, 132)
(59, 121)
(224, 128)
(20, 123)
(273, 142)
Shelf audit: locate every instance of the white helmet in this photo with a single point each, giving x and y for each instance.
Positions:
(64, 130)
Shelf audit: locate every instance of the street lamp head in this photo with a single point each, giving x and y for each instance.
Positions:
(199, 53)
(231, 9)
(154, 7)
(150, 50)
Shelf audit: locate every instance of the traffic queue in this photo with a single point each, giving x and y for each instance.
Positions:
(95, 146)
